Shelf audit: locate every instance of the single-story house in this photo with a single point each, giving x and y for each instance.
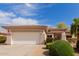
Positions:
(32, 34)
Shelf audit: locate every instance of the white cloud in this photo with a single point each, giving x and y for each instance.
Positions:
(6, 19)
(31, 5)
(6, 14)
(23, 21)
(38, 5)
(29, 9)
(24, 9)
(28, 5)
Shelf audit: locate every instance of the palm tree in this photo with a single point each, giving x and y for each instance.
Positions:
(75, 27)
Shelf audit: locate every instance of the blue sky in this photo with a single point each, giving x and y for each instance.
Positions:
(38, 14)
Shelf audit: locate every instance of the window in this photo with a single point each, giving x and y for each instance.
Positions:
(49, 36)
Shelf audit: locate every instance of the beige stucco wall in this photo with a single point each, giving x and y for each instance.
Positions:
(43, 37)
(9, 39)
(63, 36)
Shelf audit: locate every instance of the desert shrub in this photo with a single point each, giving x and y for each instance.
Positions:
(2, 39)
(48, 45)
(61, 48)
(77, 44)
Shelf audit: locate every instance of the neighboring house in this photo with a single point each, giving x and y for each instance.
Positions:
(32, 34)
(3, 34)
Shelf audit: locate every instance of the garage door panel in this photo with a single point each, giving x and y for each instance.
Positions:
(25, 37)
(24, 42)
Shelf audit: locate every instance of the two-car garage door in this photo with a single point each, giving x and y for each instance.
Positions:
(26, 37)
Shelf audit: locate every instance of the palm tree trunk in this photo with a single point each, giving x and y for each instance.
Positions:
(76, 31)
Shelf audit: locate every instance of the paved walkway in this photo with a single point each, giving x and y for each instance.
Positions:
(22, 50)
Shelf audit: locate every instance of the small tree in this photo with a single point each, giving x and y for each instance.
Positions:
(62, 25)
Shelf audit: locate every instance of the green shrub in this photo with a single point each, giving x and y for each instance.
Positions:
(48, 40)
(77, 44)
(2, 39)
(61, 48)
(48, 45)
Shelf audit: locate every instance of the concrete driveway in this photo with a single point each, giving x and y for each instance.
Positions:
(22, 50)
